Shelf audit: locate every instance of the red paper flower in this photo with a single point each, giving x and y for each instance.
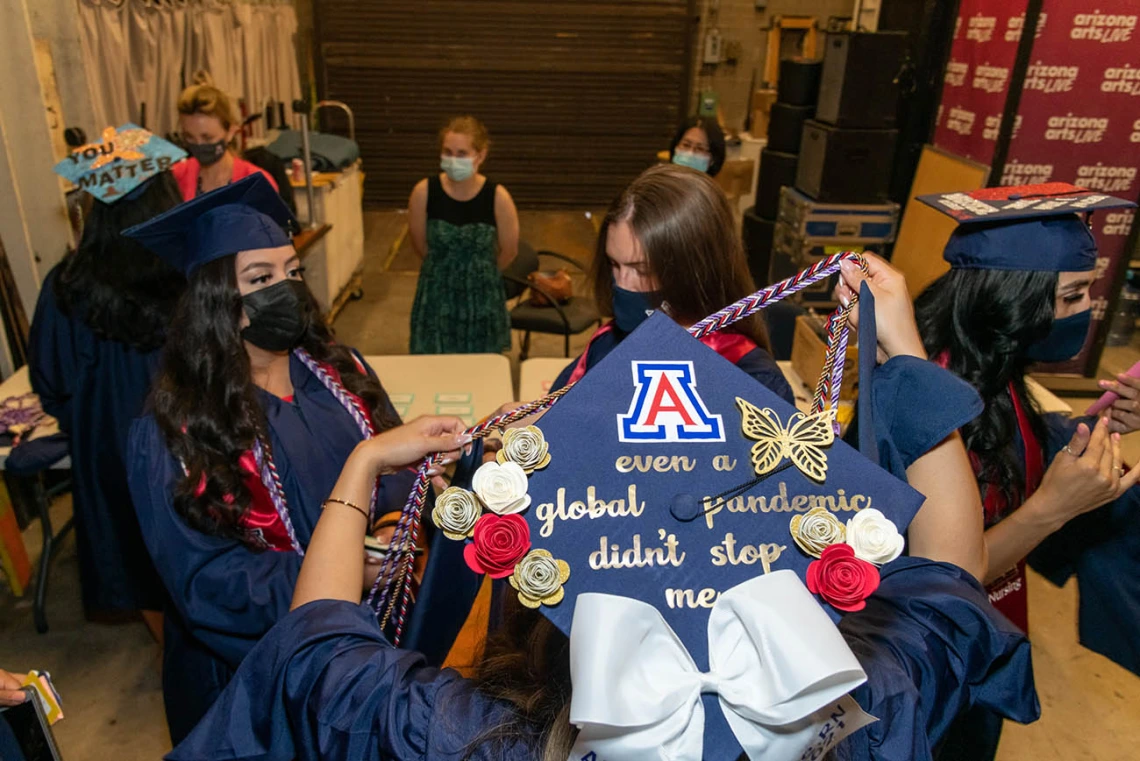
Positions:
(841, 579)
(498, 543)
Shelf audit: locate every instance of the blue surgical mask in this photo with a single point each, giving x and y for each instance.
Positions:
(696, 161)
(1065, 340)
(631, 308)
(458, 169)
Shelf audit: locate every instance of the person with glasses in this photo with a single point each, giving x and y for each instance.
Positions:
(699, 144)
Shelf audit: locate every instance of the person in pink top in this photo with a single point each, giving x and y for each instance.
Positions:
(209, 123)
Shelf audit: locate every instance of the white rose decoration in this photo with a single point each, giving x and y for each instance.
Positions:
(502, 488)
(525, 446)
(874, 537)
(455, 513)
(816, 530)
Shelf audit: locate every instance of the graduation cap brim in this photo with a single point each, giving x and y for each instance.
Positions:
(246, 215)
(1019, 204)
(612, 479)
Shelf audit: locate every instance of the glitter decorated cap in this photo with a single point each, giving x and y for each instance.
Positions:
(668, 485)
(246, 215)
(119, 163)
(1023, 227)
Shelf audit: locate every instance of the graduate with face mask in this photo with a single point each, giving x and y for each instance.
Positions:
(1053, 488)
(254, 414)
(466, 230)
(668, 242)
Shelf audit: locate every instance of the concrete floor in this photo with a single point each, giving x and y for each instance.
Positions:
(109, 675)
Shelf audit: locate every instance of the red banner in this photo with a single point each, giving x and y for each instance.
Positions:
(977, 77)
(1079, 116)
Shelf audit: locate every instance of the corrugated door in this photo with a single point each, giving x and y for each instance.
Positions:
(578, 96)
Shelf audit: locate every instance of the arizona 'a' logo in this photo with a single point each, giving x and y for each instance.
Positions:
(666, 406)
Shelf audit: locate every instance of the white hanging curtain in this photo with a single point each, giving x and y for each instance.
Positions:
(146, 51)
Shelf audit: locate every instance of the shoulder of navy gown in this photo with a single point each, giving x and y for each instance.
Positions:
(52, 354)
(595, 353)
(915, 405)
(932, 646)
(324, 683)
(227, 594)
(760, 365)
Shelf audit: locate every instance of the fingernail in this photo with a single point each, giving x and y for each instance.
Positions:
(843, 299)
(465, 438)
(1102, 384)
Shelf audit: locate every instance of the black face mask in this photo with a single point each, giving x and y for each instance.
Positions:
(278, 315)
(207, 153)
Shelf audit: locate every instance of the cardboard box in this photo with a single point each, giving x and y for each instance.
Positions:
(735, 177)
(809, 351)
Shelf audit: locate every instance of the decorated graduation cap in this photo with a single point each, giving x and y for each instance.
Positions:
(697, 537)
(246, 215)
(120, 163)
(1024, 227)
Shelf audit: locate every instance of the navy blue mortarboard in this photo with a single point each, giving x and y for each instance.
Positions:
(120, 163)
(1024, 227)
(246, 215)
(672, 480)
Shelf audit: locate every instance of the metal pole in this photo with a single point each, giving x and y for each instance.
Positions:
(306, 155)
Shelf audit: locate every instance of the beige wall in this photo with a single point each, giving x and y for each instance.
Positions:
(739, 21)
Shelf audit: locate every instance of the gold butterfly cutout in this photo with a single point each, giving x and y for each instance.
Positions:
(802, 440)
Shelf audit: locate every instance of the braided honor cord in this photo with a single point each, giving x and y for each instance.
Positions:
(391, 582)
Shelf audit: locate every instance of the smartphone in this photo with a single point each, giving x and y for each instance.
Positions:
(25, 734)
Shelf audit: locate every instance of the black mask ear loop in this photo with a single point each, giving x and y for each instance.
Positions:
(686, 508)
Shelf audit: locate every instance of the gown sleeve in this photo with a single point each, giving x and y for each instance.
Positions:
(52, 358)
(932, 647)
(324, 683)
(228, 595)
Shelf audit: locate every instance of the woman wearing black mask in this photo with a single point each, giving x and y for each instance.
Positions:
(668, 242)
(209, 123)
(254, 414)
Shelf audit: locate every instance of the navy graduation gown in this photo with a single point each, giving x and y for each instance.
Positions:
(326, 684)
(224, 595)
(758, 363)
(1102, 547)
(95, 387)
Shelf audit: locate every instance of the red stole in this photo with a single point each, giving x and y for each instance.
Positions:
(731, 346)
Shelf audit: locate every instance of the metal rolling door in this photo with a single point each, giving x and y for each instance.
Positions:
(578, 96)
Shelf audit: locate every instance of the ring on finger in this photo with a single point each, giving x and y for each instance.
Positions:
(1069, 451)
(1119, 470)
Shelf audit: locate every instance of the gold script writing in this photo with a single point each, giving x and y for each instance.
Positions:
(559, 510)
(781, 503)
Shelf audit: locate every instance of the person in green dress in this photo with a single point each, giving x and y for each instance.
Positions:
(466, 230)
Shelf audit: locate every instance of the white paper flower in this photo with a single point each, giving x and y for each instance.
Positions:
(874, 537)
(455, 513)
(816, 530)
(525, 446)
(539, 578)
(502, 488)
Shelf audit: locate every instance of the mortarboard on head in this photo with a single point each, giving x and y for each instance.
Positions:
(672, 510)
(120, 163)
(246, 215)
(1024, 227)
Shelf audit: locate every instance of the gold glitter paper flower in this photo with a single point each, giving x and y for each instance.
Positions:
(525, 446)
(539, 577)
(816, 530)
(455, 513)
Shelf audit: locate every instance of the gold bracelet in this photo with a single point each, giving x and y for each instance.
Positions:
(357, 508)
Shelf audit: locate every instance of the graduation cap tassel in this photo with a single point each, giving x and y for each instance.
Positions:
(392, 581)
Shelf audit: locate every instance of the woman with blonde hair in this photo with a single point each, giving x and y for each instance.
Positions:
(466, 229)
(209, 123)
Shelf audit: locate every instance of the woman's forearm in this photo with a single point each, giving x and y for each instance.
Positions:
(1017, 535)
(334, 561)
(949, 526)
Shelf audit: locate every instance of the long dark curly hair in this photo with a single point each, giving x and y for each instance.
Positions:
(984, 321)
(205, 403)
(120, 290)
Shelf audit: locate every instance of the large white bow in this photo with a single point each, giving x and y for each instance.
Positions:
(779, 665)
